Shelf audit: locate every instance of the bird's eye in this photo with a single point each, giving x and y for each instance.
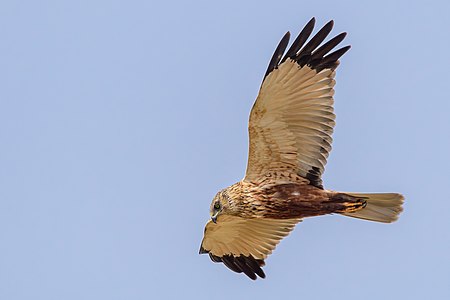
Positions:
(217, 206)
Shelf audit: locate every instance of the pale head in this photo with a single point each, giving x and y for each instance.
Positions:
(221, 203)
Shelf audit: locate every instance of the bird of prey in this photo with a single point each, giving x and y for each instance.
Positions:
(290, 130)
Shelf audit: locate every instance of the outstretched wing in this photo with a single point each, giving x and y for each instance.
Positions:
(243, 244)
(292, 120)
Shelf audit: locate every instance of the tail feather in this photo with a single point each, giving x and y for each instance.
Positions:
(384, 207)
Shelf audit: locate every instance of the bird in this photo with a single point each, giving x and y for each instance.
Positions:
(290, 128)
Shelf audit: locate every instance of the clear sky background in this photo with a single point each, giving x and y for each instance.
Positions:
(120, 120)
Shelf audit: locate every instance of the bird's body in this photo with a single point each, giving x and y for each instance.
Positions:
(280, 199)
(290, 130)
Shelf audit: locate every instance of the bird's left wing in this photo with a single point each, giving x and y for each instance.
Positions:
(243, 244)
(292, 120)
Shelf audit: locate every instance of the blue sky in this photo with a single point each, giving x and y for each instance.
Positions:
(120, 120)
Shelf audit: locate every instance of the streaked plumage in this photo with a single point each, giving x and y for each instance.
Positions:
(290, 130)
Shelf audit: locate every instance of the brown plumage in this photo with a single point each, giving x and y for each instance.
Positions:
(290, 130)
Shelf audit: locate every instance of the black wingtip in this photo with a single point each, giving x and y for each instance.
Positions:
(202, 250)
(311, 23)
(317, 56)
(330, 23)
(241, 264)
(331, 61)
(310, 54)
(300, 40)
(304, 55)
(276, 57)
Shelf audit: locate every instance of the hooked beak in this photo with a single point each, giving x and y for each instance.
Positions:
(214, 217)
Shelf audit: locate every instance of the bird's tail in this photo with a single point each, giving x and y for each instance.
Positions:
(383, 207)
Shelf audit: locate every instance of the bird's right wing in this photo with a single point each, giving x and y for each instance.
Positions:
(243, 244)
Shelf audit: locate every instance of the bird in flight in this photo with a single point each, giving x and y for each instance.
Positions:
(290, 130)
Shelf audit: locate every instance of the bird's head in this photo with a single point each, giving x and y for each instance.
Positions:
(220, 204)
